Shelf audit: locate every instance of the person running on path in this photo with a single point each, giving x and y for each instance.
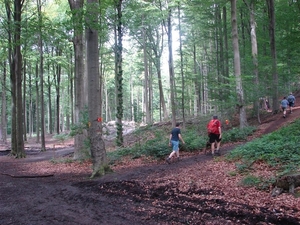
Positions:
(284, 105)
(175, 136)
(214, 134)
(291, 99)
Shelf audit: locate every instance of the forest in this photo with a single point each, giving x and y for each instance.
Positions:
(74, 66)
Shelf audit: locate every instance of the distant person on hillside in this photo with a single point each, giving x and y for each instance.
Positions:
(175, 136)
(291, 99)
(215, 134)
(284, 105)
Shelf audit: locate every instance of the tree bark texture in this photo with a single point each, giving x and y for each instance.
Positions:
(237, 67)
(16, 74)
(119, 73)
(271, 14)
(146, 78)
(77, 17)
(98, 152)
(171, 69)
(254, 56)
(3, 106)
(41, 76)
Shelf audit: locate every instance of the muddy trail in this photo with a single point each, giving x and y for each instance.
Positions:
(196, 190)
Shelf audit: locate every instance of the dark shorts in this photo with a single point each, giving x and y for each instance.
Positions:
(283, 108)
(214, 138)
(291, 104)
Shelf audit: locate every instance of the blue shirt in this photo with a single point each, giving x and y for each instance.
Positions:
(284, 103)
(291, 98)
(175, 134)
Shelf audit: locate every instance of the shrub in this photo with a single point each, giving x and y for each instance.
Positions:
(280, 148)
(250, 181)
(237, 134)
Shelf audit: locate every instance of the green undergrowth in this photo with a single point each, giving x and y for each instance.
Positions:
(152, 141)
(280, 149)
(261, 183)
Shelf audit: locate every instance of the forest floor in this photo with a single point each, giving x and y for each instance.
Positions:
(196, 190)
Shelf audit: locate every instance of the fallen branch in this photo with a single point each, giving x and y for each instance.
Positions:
(27, 176)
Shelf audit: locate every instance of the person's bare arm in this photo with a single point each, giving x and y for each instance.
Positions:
(180, 137)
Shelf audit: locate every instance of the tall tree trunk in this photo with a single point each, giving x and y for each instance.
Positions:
(94, 102)
(17, 64)
(146, 78)
(171, 68)
(237, 67)
(219, 55)
(181, 66)
(77, 17)
(24, 101)
(41, 73)
(119, 73)
(251, 7)
(37, 105)
(226, 57)
(12, 76)
(71, 93)
(197, 85)
(57, 87)
(50, 120)
(271, 13)
(3, 125)
(157, 49)
(30, 107)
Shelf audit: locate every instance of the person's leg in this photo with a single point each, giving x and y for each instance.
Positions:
(175, 147)
(177, 153)
(212, 142)
(218, 147)
(171, 155)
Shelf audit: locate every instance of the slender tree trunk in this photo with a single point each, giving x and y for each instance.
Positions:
(237, 67)
(119, 73)
(157, 50)
(77, 17)
(37, 105)
(94, 102)
(226, 57)
(3, 106)
(41, 73)
(30, 107)
(271, 13)
(219, 58)
(197, 84)
(181, 67)
(24, 102)
(171, 69)
(71, 93)
(254, 55)
(12, 77)
(57, 87)
(16, 81)
(146, 78)
(151, 92)
(50, 120)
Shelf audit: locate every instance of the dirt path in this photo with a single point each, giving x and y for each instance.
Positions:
(195, 190)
